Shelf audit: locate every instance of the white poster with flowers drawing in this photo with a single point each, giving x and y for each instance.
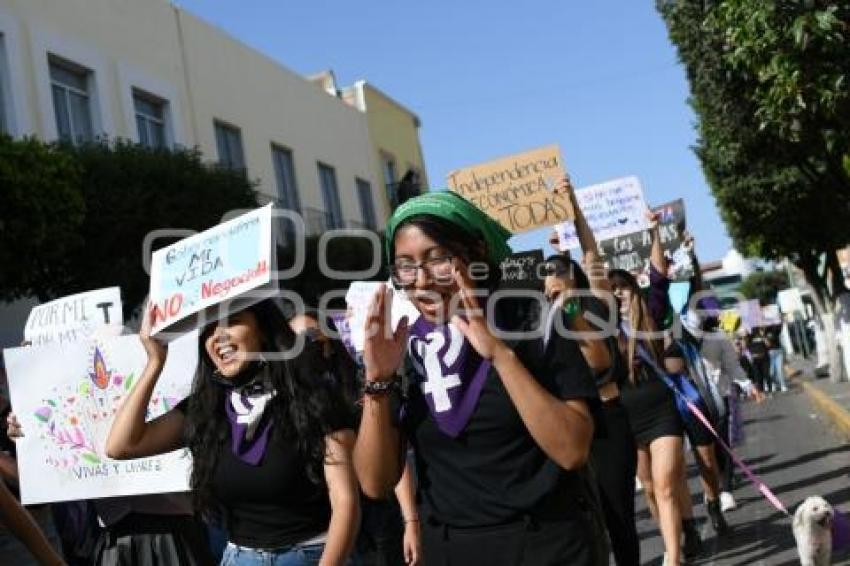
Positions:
(66, 398)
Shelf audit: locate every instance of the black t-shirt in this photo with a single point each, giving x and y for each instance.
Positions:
(274, 504)
(494, 472)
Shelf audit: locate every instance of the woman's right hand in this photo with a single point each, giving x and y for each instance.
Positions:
(13, 427)
(564, 186)
(156, 350)
(383, 349)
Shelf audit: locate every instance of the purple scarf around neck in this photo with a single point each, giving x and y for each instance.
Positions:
(451, 373)
(250, 424)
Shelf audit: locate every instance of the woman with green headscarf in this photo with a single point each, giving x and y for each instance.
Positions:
(498, 426)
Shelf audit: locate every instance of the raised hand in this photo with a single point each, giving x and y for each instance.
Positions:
(474, 325)
(564, 186)
(383, 349)
(156, 350)
(652, 218)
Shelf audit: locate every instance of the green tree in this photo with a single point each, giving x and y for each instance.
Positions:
(124, 191)
(764, 286)
(768, 84)
(41, 212)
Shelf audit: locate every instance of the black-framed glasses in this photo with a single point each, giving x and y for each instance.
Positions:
(440, 269)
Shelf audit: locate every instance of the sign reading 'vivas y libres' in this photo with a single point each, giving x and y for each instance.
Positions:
(516, 190)
(234, 260)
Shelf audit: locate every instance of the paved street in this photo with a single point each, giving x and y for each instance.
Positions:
(797, 453)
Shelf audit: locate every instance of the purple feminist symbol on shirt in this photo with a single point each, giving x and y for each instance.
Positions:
(249, 426)
(451, 373)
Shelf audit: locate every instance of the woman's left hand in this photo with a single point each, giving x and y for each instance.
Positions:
(412, 544)
(474, 325)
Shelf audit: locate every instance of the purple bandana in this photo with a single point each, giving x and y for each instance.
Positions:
(249, 428)
(451, 373)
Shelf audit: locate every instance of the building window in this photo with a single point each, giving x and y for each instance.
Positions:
(390, 178)
(284, 169)
(330, 194)
(150, 119)
(71, 101)
(367, 205)
(228, 140)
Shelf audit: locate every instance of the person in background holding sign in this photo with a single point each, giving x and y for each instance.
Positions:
(270, 442)
(614, 452)
(648, 401)
(498, 430)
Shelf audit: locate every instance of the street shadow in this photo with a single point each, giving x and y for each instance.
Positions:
(803, 459)
(759, 420)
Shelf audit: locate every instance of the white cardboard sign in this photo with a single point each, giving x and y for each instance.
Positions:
(613, 208)
(74, 318)
(66, 398)
(232, 262)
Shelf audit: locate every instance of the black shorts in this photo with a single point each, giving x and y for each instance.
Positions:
(652, 411)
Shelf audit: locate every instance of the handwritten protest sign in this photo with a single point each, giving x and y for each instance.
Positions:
(231, 262)
(66, 398)
(790, 301)
(613, 208)
(74, 317)
(359, 297)
(517, 190)
(523, 270)
(631, 252)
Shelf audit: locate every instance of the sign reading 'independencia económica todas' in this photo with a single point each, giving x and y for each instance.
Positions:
(516, 190)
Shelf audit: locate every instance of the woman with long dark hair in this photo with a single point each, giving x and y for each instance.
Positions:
(613, 452)
(649, 404)
(498, 426)
(270, 442)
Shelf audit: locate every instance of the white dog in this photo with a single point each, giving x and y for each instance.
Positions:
(813, 532)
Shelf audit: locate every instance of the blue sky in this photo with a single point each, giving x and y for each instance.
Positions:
(491, 78)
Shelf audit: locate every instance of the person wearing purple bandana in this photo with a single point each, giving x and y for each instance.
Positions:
(271, 443)
(499, 427)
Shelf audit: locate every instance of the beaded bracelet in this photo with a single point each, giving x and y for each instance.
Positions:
(380, 387)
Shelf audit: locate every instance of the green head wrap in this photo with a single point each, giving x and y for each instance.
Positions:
(453, 208)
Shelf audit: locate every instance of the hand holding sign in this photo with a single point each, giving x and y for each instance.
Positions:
(156, 350)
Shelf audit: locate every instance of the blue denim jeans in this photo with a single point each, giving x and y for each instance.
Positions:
(295, 555)
(777, 372)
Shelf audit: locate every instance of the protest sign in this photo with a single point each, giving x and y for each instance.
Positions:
(233, 262)
(790, 301)
(74, 317)
(523, 270)
(750, 312)
(613, 208)
(359, 297)
(631, 252)
(517, 190)
(66, 398)
(770, 315)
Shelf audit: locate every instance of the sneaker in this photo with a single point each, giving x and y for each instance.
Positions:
(727, 502)
(638, 485)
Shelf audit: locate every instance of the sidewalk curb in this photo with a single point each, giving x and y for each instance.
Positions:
(836, 413)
